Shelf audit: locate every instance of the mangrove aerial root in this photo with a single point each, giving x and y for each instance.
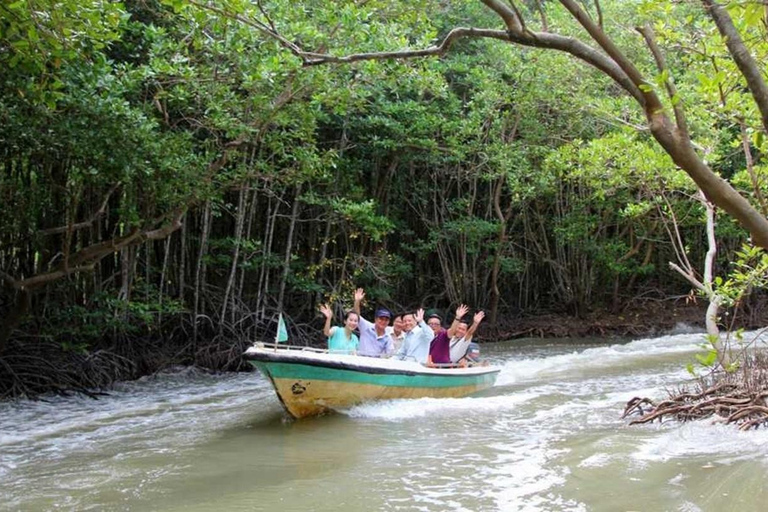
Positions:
(737, 398)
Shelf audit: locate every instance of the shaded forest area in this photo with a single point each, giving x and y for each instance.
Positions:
(171, 179)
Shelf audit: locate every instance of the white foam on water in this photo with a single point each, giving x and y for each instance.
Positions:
(520, 370)
(399, 410)
(522, 477)
(703, 438)
(141, 419)
(597, 460)
(160, 402)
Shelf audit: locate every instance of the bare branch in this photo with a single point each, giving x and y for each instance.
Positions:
(570, 45)
(164, 231)
(266, 16)
(313, 59)
(261, 27)
(85, 224)
(687, 275)
(751, 167)
(543, 16)
(650, 40)
(599, 14)
(674, 234)
(709, 259)
(518, 15)
(41, 279)
(741, 55)
(650, 101)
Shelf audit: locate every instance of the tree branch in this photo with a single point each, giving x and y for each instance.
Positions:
(709, 259)
(650, 40)
(688, 276)
(86, 258)
(650, 101)
(599, 14)
(543, 16)
(261, 27)
(575, 47)
(751, 167)
(750, 69)
(85, 224)
(313, 59)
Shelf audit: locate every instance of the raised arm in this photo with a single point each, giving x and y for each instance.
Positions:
(325, 310)
(460, 312)
(359, 296)
(426, 334)
(475, 324)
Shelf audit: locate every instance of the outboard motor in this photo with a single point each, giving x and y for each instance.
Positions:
(473, 353)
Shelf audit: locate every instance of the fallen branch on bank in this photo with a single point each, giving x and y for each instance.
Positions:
(738, 398)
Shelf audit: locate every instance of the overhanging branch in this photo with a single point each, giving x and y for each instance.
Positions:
(314, 59)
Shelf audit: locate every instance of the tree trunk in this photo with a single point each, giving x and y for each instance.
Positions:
(239, 223)
(269, 233)
(163, 272)
(289, 247)
(252, 208)
(501, 242)
(183, 258)
(200, 272)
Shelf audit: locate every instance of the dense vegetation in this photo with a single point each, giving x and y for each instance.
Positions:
(174, 173)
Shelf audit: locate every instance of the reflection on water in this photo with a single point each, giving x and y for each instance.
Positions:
(547, 437)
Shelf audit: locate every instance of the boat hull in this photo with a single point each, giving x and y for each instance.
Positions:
(312, 384)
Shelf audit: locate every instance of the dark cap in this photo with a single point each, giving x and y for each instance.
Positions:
(383, 312)
(473, 351)
(435, 315)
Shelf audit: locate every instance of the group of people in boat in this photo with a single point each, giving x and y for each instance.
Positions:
(409, 338)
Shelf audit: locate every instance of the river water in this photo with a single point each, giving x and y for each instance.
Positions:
(547, 437)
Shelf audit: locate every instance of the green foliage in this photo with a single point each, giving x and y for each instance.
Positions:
(412, 178)
(81, 327)
(749, 271)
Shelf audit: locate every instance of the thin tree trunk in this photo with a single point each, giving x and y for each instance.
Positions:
(501, 241)
(252, 208)
(199, 273)
(162, 277)
(183, 258)
(264, 274)
(289, 247)
(239, 223)
(323, 253)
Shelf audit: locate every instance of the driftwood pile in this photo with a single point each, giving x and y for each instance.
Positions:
(739, 398)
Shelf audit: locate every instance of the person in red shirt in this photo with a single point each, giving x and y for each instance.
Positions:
(460, 331)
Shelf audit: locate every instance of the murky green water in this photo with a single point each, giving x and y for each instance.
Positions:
(548, 437)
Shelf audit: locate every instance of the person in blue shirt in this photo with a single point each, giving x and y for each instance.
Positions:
(418, 336)
(341, 340)
(375, 337)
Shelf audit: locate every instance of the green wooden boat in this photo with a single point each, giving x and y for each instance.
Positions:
(310, 382)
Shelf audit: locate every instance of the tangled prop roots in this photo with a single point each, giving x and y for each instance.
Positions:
(32, 369)
(733, 398)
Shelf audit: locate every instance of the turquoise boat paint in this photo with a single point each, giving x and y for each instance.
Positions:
(402, 379)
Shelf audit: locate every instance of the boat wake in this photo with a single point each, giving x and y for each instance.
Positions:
(399, 410)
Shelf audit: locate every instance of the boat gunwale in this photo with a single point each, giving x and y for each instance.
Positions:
(296, 357)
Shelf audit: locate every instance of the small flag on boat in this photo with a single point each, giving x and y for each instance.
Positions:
(282, 332)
